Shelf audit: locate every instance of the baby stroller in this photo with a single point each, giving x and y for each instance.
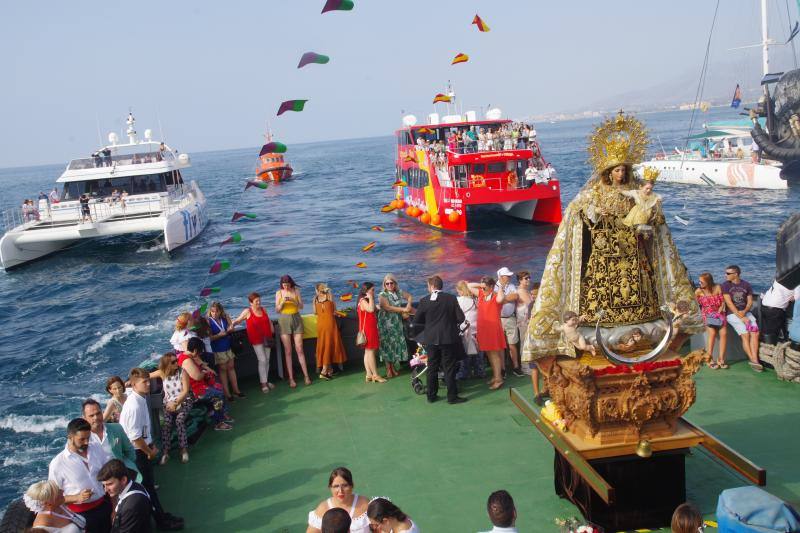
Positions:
(419, 367)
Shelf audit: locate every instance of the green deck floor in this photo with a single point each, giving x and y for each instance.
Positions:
(440, 462)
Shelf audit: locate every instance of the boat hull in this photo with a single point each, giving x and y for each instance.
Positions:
(36, 240)
(719, 173)
(275, 175)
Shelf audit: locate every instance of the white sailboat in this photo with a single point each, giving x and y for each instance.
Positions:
(721, 156)
(129, 188)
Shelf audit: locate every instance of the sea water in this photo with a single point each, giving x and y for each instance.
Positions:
(70, 321)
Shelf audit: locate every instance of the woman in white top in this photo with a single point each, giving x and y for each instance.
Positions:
(182, 332)
(474, 364)
(386, 517)
(526, 295)
(342, 496)
(46, 500)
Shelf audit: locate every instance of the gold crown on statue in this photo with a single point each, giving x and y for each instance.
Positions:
(619, 140)
(650, 174)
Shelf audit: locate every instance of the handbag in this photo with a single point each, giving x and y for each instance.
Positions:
(713, 320)
(361, 337)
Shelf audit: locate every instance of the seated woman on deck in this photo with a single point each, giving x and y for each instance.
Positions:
(46, 499)
(204, 383)
(178, 401)
(342, 496)
(386, 517)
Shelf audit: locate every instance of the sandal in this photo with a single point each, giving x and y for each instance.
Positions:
(264, 389)
(378, 379)
(756, 367)
(326, 377)
(307, 380)
(496, 385)
(292, 384)
(723, 366)
(712, 365)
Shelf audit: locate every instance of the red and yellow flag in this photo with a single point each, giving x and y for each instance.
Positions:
(399, 183)
(346, 297)
(441, 98)
(480, 23)
(387, 209)
(352, 283)
(376, 228)
(424, 130)
(369, 247)
(361, 264)
(460, 58)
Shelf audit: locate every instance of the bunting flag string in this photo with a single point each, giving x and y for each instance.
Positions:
(337, 5)
(482, 26)
(312, 57)
(219, 266)
(237, 215)
(235, 237)
(208, 291)
(291, 105)
(272, 148)
(460, 58)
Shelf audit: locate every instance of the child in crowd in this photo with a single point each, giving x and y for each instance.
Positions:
(116, 388)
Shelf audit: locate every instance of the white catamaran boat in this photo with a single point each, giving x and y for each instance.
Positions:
(122, 189)
(721, 155)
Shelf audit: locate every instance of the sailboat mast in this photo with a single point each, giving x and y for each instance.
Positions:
(764, 39)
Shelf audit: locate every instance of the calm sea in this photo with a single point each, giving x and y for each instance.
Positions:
(70, 321)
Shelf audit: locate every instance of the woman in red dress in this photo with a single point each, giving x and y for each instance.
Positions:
(491, 338)
(259, 333)
(368, 323)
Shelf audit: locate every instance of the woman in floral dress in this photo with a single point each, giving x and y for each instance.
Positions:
(390, 324)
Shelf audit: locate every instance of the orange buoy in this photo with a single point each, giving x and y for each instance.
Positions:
(453, 217)
(400, 203)
(436, 220)
(410, 211)
(425, 218)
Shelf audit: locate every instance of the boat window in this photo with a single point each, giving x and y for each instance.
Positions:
(147, 183)
(478, 169)
(496, 168)
(458, 173)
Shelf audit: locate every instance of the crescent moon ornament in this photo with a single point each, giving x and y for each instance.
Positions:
(652, 354)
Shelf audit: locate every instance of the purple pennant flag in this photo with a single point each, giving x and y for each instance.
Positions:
(237, 215)
(219, 266)
(291, 105)
(313, 57)
(258, 184)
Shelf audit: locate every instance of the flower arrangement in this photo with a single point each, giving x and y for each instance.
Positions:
(638, 367)
(573, 525)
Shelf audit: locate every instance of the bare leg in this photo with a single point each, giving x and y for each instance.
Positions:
(754, 346)
(232, 378)
(723, 344)
(223, 378)
(496, 362)
(745, 337)
(513, 351)
(286, 340)
(535, 381)
(301, 356)
(711, 337)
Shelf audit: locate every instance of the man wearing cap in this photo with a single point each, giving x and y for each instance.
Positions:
(508, 316)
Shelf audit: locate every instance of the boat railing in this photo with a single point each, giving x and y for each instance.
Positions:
(101, 161)
(119, 209)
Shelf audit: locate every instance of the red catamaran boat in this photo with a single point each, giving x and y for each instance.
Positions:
(444, 179)
(272, 166)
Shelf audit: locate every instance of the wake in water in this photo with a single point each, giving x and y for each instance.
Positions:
(33, 423)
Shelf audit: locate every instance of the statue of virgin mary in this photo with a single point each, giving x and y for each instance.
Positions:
(601, 268)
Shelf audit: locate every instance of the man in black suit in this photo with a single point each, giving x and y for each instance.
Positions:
(440, 315)
(133, 510)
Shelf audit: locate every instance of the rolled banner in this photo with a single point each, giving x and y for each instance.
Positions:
(291, 105)
(337, 5)
(313, 57)
(208, 291)
(460, 58)
(258, 184)
(272, 148)
(235, 237)
(237, 215)
(219, 266)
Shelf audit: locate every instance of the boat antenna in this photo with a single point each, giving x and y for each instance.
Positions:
(99, 135)
(791, 38)
(160, 129)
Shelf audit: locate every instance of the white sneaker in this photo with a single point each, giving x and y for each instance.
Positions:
(184, 457)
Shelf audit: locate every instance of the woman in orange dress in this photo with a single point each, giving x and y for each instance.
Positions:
(330, 348)
(491, 338)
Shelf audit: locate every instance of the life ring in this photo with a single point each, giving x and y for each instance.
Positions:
(477, 180)
(512, 180)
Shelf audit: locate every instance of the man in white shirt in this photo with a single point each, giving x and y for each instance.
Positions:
(508, 316)
(502, 512)
(75, 471)
(135, 420)
(773, 312)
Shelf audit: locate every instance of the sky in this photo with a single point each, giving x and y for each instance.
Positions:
(214, 73)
